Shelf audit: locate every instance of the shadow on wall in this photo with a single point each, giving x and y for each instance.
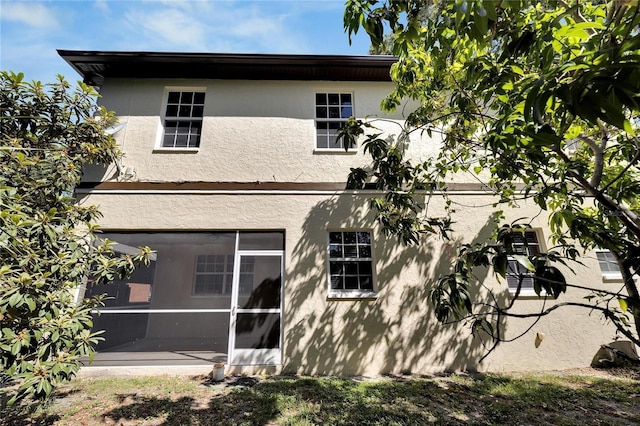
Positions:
(395, 333)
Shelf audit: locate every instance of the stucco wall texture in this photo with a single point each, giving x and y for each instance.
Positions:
(252, 131)
(264, 131)
(397, 331)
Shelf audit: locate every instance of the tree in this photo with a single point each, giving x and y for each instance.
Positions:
(48, 242)
(538, 100)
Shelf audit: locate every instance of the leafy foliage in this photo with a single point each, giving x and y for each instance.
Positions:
(48, 242)
(540, 101)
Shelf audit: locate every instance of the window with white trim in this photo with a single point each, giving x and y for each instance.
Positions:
(608, 264)
(350, 262)
(214, 274)
(183, 119)
(523, 244)
(332, 111)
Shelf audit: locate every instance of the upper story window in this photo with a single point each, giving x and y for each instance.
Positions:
(350, 264)
(525, 244)
(183, 119)
(332, 110)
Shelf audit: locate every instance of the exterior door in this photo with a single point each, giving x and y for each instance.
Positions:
(256, 310)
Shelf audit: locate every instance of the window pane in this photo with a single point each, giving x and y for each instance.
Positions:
(334, 99)
(346, 112)
(365, 251)
(364, 238)
(198, 111)
(335, 237)
(322, 127)
(345, 98)
(321, 112)
(321, 99)
(182, 141)
(334, 112)
(366, 283)
(336, 282)
(335, 251)
(334, 142)
(335, 268)
(350, 250)
(365, 268)
(349, 237)
(194, 141)
(185, 111)
(261, 241)
(322, 142)
(168, 140)
(334, 127)
(350, 283)
(173, 97)
(172, 110)
(350, 268)
(186, 97)
(198, 98)
(170, 127)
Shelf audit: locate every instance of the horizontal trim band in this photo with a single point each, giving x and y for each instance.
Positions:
(253, 187)
(159, 311)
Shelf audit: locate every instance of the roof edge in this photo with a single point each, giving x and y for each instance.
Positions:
(95, 65)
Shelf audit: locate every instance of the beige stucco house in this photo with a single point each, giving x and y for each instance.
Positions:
(264, 260)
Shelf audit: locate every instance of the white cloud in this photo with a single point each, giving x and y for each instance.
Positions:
(32, 14)
(173, 26)
(102, 5)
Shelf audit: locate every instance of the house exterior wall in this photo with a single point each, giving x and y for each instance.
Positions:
(395, 332)
(263, 131)
(252, 131)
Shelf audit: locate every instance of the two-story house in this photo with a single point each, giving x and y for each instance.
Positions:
(233, 174)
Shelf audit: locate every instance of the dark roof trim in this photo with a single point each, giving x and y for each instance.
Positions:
(95, 66)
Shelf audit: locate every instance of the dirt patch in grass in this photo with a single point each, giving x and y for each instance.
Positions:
(574, 397)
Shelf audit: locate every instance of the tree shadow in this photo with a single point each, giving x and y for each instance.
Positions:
(345, 337)
(466, 399)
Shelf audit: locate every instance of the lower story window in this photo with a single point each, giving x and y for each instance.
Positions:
(350, 261)
(517, 275)
(608, 264)
(214, 274)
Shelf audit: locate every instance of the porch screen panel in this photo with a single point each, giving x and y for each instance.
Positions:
(258, 331)
(260, 282)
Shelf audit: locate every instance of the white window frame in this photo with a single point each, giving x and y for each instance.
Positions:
(608, 276)
(227, 274)
(332, 150)
(351, 293)
(159, 147)
(526, 290)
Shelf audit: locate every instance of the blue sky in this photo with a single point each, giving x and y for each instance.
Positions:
(31, 31)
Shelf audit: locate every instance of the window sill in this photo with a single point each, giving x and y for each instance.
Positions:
(613, 277)
(176, 150)
(332, 151)
(351, 295)
(529, 293)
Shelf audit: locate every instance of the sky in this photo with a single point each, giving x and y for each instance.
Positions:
(32, 30)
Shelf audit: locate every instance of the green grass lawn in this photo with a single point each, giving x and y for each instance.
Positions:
(452, 399)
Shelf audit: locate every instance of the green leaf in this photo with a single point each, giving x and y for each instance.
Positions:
(524, 261)
(628, 128)
(623, 304)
